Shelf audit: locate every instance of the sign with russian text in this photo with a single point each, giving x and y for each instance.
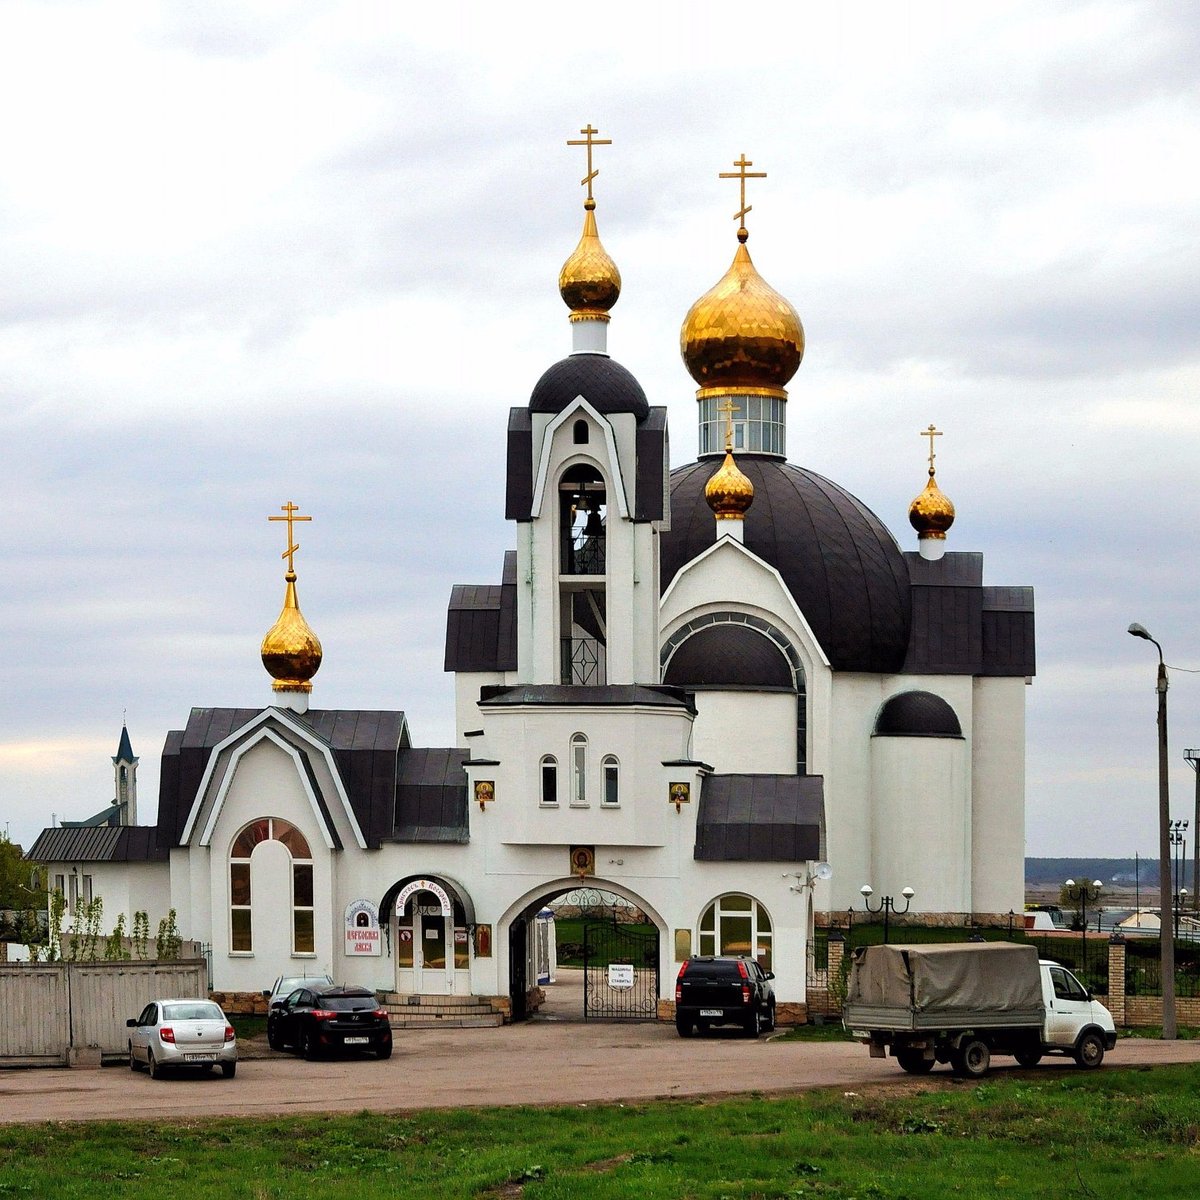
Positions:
(362, 930)
(620, 975)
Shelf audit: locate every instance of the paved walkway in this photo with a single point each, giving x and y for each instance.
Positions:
(539, 1062)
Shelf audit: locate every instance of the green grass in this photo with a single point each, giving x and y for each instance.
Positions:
(1111, 1133)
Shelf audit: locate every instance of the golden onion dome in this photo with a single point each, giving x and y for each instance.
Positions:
(290, 651)
(931, 513)
(742, 336)
(589, 281)
(728, 492)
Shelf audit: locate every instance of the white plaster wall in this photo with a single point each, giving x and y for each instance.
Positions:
(124, 888)
(641, 738)
(998, 796)
(743, 731)
(921, 831)
(266, 783)
(466, 699)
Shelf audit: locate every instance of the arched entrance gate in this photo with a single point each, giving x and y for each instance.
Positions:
(606, 938)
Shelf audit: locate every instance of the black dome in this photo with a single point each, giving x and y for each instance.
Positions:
(838, 560)
(606, 385)
(729, 656)
(917, 714)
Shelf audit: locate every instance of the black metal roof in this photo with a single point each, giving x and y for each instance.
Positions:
(760, 818)
(838, 560)
(719, 656)
(606, 385)
(917, 714)
(616, 695)
(98, 843)
(431, 796)
(960, 627)
(481, 624)
(364, 743)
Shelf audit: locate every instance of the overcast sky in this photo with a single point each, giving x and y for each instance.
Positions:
(260, 251)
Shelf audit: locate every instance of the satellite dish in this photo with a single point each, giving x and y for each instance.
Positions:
(822, 871)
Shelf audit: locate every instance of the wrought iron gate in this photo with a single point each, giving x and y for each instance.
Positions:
(620, 970)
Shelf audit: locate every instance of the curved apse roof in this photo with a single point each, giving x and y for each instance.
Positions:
(917, 714)
(729, 656)
(838, 560)
(606, 385)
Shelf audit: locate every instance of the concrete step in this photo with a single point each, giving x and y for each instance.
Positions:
(430, 1000)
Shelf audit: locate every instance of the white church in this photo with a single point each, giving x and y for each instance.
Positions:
(721, 692)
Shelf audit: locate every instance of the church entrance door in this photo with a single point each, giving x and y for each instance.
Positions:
(431, 942)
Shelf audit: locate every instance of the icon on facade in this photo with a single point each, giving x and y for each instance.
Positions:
(485, 792)
(680, 794)
(583, 861)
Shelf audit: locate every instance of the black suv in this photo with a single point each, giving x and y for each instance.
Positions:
(316, 1019)
(724, 991)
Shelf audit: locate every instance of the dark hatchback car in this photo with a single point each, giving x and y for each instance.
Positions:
(315, 1020)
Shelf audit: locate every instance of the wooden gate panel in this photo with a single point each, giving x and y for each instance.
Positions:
(36, 1025)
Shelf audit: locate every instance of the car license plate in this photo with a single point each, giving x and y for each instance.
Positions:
(198, 1057)
(712, 1012)
(356, 1041)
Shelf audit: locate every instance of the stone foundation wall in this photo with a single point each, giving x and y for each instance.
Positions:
(785, 1013)
(241, 1004)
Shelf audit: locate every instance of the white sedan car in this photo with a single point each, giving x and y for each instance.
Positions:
(181, 1033)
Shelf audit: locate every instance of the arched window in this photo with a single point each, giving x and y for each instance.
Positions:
(579, 432)
(550, 780)
(737, 924)
(241, 931)
(579, 770)
(611, 795)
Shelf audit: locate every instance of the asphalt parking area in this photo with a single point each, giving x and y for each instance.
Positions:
(533, 1063)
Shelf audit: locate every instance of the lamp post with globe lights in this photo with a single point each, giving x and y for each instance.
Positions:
(1192, 758)
(1166, 938)
(887, 905)
(1080, 893)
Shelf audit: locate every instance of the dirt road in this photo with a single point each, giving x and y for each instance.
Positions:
(534, 1063)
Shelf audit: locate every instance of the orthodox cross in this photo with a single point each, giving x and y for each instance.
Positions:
(589, 141)
(931, 433)
(290, 510)
(727, 410)
(742, 174)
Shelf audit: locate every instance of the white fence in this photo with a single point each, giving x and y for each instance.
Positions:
(51, 1008)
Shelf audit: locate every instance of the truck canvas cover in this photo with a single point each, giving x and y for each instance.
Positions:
(978, 984)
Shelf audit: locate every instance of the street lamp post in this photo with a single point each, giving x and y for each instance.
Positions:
(1166, 938)
(1192, 758)
(887, 905)
(1178, 839)
(1082, 892)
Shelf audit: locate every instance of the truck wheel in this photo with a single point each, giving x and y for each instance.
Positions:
(1089, 1050)
(684, 1027)
(972, 1059)
(769, 1023)
(1028, 1058)
(750, 1025)
(914, 1062)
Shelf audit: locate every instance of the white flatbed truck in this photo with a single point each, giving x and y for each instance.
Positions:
(961, 1003)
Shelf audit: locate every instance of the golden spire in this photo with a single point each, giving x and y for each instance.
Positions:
(931, 513)
(589, 281)
(728, 492)
(742, 337)
(290, 651)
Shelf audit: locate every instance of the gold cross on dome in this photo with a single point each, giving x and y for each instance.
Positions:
(742, 174)
(931, 433)
(290, 510)
(589, 141)
(727, 410)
